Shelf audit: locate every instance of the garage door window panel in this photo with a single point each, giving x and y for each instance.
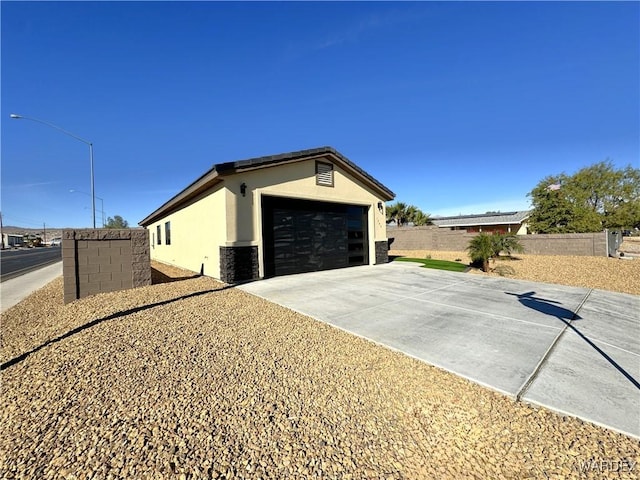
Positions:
(357, 236)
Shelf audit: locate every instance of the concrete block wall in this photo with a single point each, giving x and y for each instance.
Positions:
(104, 260)
(584, 244)
(434, 238)
(428, 238)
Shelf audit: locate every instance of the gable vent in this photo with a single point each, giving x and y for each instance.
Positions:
(324, 174)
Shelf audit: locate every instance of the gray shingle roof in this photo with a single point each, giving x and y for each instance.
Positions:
(506, 218)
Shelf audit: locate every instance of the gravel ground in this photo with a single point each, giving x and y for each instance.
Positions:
(188, 379)
(616, 275)
(630, 245)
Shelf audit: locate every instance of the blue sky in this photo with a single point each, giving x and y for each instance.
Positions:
(457, 107)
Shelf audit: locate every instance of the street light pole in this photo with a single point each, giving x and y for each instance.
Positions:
(101, 201)
(93, 188)
(93, 196)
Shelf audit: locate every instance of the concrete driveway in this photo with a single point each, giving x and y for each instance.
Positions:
(573, 350)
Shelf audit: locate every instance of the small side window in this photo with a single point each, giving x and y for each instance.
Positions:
(159, 235)
(324, 174)
(167, 233)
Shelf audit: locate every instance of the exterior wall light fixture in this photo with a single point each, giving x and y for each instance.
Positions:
(243, 189)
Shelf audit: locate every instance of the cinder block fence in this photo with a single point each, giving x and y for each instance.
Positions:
(104, 260)
(434, 238)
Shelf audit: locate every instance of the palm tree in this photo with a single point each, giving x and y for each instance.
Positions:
(397, 212)
(481, 249)
(418, 217)
(403, 213)
(506, 243)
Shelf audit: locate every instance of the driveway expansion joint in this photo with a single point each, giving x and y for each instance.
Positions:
(534, 374)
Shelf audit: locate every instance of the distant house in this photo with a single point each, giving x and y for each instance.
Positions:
(275, 215)
(10, 240)
(507, 222)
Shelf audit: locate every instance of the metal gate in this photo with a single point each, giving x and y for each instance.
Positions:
(614, 239)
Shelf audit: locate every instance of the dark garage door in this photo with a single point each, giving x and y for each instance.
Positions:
(306, 236)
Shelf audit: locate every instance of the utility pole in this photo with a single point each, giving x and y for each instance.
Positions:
(44, 233)
(1, 233)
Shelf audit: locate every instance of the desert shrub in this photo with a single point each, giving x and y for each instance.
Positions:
(504, 270)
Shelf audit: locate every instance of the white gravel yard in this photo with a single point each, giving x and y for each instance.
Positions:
(188, 379)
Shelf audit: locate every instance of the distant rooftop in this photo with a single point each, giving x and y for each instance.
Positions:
(499, 218)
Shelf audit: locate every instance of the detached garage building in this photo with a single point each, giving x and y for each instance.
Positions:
(276, 215)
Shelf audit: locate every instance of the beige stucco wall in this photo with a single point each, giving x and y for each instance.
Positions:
(523, 229)
(223, 217)
(295, 180)
(197, 231)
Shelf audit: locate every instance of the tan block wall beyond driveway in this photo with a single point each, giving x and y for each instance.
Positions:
(434, 238)
(104, 260)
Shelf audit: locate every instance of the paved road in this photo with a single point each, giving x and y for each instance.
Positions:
(16, 289)
(14, 263)
(573, 350)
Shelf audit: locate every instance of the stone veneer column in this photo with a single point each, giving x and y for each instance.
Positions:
(238, 264)
(382, 252)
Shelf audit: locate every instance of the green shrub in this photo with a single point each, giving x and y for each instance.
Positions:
(507, 243)
(481, 248)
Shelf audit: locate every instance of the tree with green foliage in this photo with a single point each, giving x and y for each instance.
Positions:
(402, 214)
(590, 200)
(552, 211)
(116, 222)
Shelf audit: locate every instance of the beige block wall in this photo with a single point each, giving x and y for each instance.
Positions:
(434, 238)
(428, 238)
(197, 232)
(585, 244)
(295, 180)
